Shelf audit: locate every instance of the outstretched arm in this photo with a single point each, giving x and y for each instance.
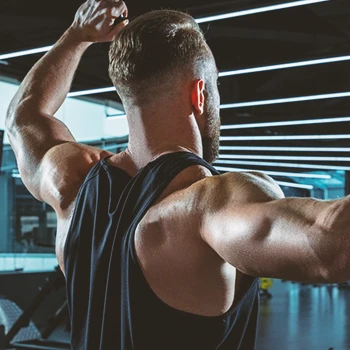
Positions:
(41, 142)
(263, 234)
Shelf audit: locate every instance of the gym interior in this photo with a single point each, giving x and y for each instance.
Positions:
(285, 111)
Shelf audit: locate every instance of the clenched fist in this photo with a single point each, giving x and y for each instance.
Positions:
(94, 20)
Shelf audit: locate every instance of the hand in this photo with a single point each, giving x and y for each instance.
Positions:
(94, 20)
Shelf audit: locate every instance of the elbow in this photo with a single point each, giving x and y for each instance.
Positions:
(338, 270)
(335, 271)
(335, 252)
(16, 112)
(11, 124)
(10, 118)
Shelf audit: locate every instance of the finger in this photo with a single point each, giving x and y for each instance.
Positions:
(118, 20)
(114, 3)
(117, 9)
(112, 12)
(126, 13)
(115, 30)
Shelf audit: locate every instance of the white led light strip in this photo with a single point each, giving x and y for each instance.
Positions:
(282, 173)
(258, 10)
(25, 52)
(285, 66)
(253, 156)
(286, 123)
(281, 183)
(284, 149)
(285, 138)
(289, 184)
(284, 165)
(286, 100)
(90, 92)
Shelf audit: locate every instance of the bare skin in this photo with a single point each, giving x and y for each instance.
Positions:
(205, 234)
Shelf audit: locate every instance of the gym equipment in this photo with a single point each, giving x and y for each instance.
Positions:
(18, 331)
(265, 285)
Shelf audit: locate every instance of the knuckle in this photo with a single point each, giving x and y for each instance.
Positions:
(122, 4)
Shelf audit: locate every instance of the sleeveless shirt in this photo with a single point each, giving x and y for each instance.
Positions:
(111, 305)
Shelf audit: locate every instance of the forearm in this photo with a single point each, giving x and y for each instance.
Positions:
(310, 239)
(46, 85)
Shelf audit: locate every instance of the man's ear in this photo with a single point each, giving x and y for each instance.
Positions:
(197, 96)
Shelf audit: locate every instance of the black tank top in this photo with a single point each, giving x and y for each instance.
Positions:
(111, 305)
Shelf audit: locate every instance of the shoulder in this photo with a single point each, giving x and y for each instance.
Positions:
(63, 171)
(184, 209)
(240, 187)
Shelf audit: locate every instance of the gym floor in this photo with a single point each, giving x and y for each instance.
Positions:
(299, 317)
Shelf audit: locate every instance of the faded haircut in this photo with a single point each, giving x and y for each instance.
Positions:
(157, 47)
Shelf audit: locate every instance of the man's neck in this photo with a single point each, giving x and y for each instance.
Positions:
(151, 135)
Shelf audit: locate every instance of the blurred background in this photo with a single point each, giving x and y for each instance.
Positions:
(285, 94)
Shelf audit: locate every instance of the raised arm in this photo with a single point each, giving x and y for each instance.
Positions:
(46, 151)
(250, 225)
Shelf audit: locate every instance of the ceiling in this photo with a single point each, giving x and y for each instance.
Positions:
(296, 34)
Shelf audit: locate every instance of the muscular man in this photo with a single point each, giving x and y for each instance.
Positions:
(158, 250)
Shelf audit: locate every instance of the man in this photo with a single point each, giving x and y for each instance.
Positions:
(160, 253)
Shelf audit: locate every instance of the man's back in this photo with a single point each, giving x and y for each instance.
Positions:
(184, 284)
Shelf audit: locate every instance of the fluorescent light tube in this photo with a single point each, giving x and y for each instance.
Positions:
(284, 149)
(91, 92)
(286, 100)
(286, 123)
(25, 52)
(285, 138)
(284, 66)
(257, 10)
(253, 156)
(284, 165)
(282, 173)
(281, 183)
